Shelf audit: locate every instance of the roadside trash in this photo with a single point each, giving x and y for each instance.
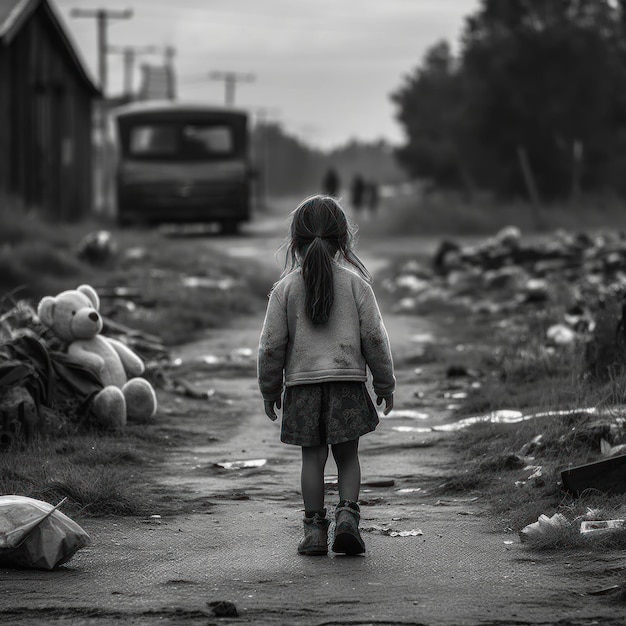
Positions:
(606, 449)
(221, 608)
(390, 532)
(607, 475)
(601, 526)
(545, 529)
(560, 335)
(242, 464)
(532, 475)
(36, 534)
(185, 388)
(605, 590)
(97, 247)
(534, 445)
(199, 282)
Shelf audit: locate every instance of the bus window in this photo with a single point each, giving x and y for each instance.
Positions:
(204, 140)
(182, 163)
(152, 140)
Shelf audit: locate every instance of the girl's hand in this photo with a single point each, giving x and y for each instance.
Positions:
(269, 408)
(388, 403)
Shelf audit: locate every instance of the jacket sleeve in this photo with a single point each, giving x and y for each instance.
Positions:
(375, 344)
(273, 348)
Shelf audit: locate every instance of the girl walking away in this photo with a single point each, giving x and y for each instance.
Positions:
(322, 329)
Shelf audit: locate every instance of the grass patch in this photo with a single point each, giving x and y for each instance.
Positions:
(448, 213)
(38, 258)
(101, 475)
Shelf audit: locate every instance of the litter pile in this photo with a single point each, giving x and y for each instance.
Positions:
(504, 275)
(559, 530)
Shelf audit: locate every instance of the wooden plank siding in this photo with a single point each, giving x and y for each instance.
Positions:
(45, 122)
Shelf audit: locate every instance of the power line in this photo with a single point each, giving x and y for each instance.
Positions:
(102, 17)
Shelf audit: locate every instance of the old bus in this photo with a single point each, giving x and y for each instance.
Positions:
(182, 163)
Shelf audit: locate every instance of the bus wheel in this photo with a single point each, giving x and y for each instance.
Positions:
(229, 227)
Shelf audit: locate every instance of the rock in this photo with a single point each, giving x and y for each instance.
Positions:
(222, 608)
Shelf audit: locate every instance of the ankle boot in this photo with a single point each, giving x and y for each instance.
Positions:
(347, 537)
(315, 542)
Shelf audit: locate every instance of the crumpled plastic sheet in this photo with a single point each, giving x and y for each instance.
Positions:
(35, 534)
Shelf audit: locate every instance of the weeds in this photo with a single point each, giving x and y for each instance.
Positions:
(100, 475)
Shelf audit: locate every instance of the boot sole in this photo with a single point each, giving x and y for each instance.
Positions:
(346, 543)
(314, 552)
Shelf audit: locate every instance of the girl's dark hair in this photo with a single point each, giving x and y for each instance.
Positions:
(320, 229)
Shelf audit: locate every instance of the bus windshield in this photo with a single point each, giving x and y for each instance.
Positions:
(186, 141)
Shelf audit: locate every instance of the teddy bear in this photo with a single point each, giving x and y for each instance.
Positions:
(73, 316)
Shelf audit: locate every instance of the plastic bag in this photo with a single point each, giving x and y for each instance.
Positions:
(36, 534)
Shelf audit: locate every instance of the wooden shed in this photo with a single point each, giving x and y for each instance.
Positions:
(46, 98)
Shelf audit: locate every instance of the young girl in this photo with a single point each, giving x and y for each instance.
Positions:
(322, 328)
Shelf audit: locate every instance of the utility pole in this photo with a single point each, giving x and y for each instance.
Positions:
(230, 81)
(168, 58)
(103, 184)
(102, 18)
(130, 53)
(262, 166)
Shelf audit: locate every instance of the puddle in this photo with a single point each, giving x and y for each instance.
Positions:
(504, 416)
(199, 282)
(412, 429)
(423, 338)
(406, 413)
(242, 464)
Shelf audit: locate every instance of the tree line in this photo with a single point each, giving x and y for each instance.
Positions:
(288, 166)
(532, 104)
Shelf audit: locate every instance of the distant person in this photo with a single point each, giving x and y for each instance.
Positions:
(331, 183)
(357, 193)
(373, 197)
(322, 329)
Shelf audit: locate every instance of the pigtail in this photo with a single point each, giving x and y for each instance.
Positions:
(317, 273)
(319, 232)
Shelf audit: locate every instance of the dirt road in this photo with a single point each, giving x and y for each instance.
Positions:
(229, 533)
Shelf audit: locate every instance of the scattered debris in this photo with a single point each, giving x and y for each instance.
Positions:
(35, 534)
(206, 282)
(222, 608)
(503, 274)
(390, 532)
(601, 526)
(229, 465)
(97, 247)
(605, 590)
(607, 475)
(606, 449)
(545, 530)
(532, 475)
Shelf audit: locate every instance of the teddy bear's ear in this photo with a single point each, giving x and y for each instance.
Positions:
(45, 310)
(90, 292)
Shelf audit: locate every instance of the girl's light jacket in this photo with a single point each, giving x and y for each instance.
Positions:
(292, 351)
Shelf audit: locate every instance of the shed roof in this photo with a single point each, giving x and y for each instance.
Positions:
(15, 13)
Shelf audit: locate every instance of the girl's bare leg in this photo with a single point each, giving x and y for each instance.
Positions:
(346, 456)
(312, 477)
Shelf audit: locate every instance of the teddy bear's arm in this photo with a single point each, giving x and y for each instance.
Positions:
(133, 365)
(88, 358)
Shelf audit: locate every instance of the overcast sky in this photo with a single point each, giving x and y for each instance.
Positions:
(323, 68)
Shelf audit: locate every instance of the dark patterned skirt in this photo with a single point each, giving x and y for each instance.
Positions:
(327, 413)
